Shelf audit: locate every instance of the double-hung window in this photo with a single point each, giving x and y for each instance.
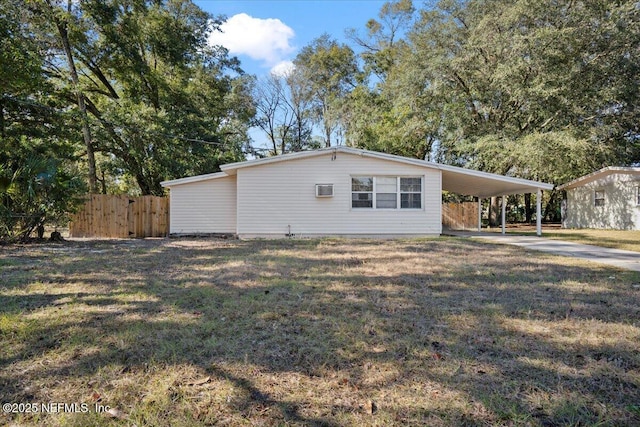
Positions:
(386, 192)
(598, 198)
(362, 192)
(410, 193)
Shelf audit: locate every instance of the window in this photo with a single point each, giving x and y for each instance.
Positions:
(324, 190)
(638, 195)
(598, 198)
(386, 192)
(361, 192)
(410, 193)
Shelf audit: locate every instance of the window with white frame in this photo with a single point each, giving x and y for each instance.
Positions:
(598, 198)
(386, 192)
(411, 193)
(362, 192)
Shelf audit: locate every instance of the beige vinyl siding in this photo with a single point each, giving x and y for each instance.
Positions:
(620, 210)
(274, 200)
(201, 207)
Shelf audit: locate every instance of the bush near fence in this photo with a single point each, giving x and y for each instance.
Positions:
(121, 216)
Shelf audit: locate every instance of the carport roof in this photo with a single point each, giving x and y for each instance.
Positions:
(483, 184)
(454, 179)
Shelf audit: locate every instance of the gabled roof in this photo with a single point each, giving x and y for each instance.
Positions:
(455, 179)
(602, 173)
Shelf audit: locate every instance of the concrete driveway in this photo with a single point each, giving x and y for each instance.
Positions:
(618, 258)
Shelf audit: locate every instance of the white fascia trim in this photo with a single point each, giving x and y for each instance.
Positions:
(190, 179)
(496, 177)
(230, 168)
(597, 174)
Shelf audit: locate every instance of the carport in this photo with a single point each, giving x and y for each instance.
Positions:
(483, 185)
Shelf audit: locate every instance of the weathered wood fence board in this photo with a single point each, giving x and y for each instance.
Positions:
(121, 217)
(460, 216)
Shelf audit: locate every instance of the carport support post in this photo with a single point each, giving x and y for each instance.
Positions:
(539, 213)
(479, 214)
(504, 213)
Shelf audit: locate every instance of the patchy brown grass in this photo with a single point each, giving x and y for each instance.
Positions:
(317, 332)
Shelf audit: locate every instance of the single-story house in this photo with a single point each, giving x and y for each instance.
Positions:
(331, 191)
(608, 198)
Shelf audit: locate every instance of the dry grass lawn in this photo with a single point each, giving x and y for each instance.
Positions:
(317, 332)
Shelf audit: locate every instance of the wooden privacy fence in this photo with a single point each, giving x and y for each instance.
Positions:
(460, 216)
(121, 216)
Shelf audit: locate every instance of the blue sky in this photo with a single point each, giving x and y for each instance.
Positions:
(266, 35)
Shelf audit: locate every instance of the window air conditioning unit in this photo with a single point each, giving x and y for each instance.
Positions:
(324, 190)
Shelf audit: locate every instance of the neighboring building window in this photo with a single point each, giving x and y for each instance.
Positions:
(638, 195)
(598, 198)
(384, 192)
(362, 192)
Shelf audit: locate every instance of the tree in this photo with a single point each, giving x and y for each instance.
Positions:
(38, 178)
(163, 102)
(385, 37)
(283, 111)
(330, 71)
(273, 112)
(515, 72)
(61, 22)
(391, 111)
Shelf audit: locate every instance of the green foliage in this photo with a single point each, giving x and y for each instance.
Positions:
(330, 71)
(163, 103)
(35, 189)
(38, 180)
(539, 89)
(530, 82)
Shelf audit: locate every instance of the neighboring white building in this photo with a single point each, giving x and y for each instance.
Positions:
(608, 198)
(331, 191)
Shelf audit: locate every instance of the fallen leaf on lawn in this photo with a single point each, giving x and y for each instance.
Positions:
(116, 413)
(95, 396)
(437, 356)
(200, 381)
(370, 407)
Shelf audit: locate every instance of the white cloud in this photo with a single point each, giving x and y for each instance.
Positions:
(265, 40)
(282, 68)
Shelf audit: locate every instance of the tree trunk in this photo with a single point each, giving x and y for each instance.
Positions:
(326, 123)
(548, 213)
(86, 132)
(2, 126)
(145, 187)
(494, 212)
(528, 212)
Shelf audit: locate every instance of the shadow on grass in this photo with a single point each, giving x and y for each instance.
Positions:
(505, 336)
